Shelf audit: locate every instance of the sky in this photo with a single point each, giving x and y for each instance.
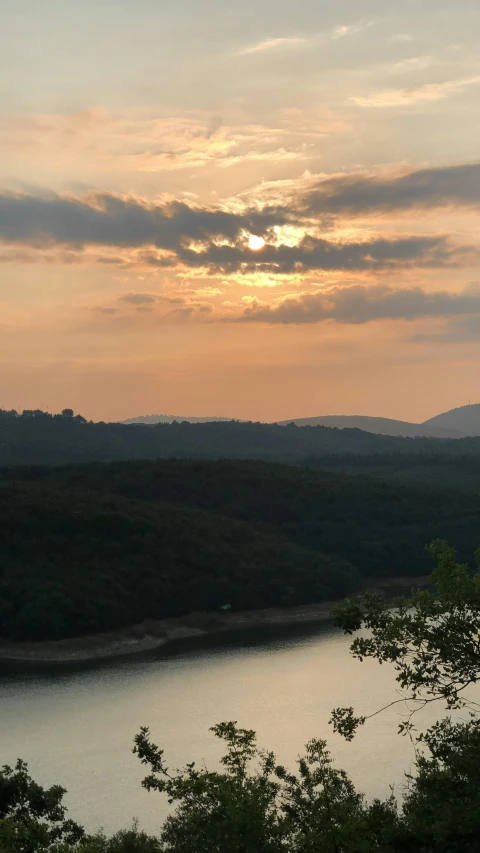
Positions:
(260, 210)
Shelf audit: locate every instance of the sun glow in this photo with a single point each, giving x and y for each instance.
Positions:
(255, 243)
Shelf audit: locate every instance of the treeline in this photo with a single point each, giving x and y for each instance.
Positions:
(92, 547)
(36, 437)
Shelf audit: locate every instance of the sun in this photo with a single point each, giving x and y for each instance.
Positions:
(255, 243)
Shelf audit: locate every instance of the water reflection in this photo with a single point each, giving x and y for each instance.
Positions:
(75, 725)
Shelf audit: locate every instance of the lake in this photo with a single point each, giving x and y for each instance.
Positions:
(75, 727)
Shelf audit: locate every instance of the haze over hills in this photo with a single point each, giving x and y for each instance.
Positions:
(381, 426)
(466, 419)
(170, 419)
(462, 422)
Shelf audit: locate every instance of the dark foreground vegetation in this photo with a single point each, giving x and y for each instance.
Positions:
(90, 548)
(251, 804)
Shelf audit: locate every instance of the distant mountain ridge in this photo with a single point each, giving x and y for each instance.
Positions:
(170, 419)
(381, 426)
(465, 418)
(463, 422)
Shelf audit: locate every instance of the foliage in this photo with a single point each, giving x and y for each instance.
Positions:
(432, 638)
(32, 818)
(254, 804)
(126, 841)
(442, 804)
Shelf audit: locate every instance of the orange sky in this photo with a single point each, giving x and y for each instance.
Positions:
(143, 144)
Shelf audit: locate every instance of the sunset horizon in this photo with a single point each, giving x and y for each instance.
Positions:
(266, 214)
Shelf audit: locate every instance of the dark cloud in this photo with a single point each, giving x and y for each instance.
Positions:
(138, 298)
(146, 300)
(108, 261)
(149, 258)
(318, 254)
(167, 233)
(349, 194)
(360, 304)
(106, 219)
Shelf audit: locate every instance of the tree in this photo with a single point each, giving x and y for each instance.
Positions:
(68, 413)
(442, 805)
(126, 841)
(32, 818)
(432, 639)
(256, 806)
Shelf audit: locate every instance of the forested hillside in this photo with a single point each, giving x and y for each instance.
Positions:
(39, 438)
(440, 470)
(92, 547)
(80, 562)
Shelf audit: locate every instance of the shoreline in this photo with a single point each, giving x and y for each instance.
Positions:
(152, 635)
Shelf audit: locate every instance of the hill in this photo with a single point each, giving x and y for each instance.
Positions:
(466, 419)
(75, 560)
(94, 547)
(457, 423)
(378, 426)
(437, 470)
(41, 438)
(170, 419)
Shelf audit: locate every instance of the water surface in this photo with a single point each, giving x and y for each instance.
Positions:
(76, 727)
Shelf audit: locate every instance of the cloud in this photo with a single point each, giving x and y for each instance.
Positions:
(99, 141)
(415, 63)
(288, 42)
(367, 193)
(297, 41)
(419, 94)
(273, 44)
(319, 254)
(358, 304)
(108, 219)
(339, 32)
(108, 310)
(280, 155)
(142, 299)
(110, 140)
(144, 307)
(399, 38)
(351, 29)
(138, 298)
(163, 234)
